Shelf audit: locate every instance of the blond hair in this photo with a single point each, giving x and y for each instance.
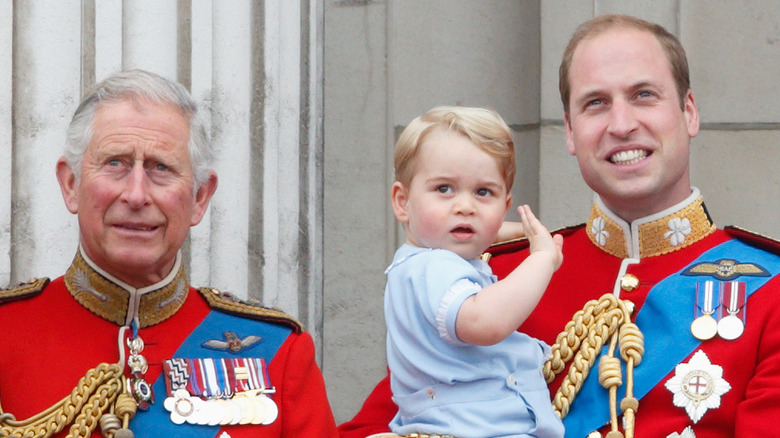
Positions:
(483, 127)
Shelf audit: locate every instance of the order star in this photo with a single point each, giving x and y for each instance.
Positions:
(697, 385)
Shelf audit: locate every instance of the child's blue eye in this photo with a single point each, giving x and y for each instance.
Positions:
(443, 189)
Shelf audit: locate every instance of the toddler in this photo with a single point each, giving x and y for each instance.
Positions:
(457, 364)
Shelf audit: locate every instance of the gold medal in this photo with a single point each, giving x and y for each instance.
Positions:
(272, 411)
(260, 410)
(704, 327)
(247, 408)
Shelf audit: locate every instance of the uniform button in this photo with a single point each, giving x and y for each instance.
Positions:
(511, 380)
(430, 392)
(629, 282)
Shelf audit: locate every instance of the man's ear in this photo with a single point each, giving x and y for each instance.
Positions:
(203, 197)
(569, 139)
(399, 197)
(691, 114)
(68, 185)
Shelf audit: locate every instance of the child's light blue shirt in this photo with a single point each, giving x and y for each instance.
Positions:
(443, 385)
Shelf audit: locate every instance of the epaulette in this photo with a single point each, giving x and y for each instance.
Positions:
(755, 239)
(229, 303)
(23, 290)
(522, 243)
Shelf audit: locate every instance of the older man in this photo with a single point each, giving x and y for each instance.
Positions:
(122, 342)
(707, 300)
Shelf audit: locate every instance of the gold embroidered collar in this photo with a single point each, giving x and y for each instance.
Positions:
(672, 229)
(118, 302)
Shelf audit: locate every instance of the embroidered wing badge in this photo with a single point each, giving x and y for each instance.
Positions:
(726, 269)
(233, 343)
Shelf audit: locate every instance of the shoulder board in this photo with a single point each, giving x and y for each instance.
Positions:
(228, 303)
(23, 290)
(758, 240)
(522, 243)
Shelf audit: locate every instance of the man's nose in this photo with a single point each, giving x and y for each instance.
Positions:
(622, 120)
(136, 192)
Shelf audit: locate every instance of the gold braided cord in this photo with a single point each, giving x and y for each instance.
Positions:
(94, 395)
(607, 319)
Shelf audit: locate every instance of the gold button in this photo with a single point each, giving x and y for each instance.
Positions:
(629, 282)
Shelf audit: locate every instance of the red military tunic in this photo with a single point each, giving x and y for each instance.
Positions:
(50, 340)
(738, 381)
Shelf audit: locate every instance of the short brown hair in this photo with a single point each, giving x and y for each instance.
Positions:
(669, 44)
(484, 127)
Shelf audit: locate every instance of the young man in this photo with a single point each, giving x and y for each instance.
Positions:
(706, 300)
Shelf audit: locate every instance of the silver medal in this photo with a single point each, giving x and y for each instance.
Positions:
(731, 326)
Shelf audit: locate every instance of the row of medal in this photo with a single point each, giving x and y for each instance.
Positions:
(222, 392)
(719, 310)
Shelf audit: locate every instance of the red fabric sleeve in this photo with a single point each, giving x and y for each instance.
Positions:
(304, 406)
(374, 416)
(758, 411)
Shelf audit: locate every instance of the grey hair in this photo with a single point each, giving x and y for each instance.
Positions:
(135, 85)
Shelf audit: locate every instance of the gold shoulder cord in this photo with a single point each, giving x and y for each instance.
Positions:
(607, 318)
(100, 396)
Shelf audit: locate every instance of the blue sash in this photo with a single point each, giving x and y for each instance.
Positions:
(157, 421)
(665, 321)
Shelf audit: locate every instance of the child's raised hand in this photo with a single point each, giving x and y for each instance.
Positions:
(540, 239)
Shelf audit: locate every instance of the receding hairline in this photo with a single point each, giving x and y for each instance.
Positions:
(670, 46)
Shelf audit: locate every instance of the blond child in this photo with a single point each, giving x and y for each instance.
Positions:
(457, 364)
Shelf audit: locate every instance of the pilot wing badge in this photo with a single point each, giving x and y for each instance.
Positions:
(233, 343)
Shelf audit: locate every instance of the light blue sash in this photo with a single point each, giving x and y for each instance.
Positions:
(665, 321)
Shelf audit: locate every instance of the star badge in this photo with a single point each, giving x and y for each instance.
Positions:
(687, 433)
(697, 386)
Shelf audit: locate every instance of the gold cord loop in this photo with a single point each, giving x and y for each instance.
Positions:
(95, 394)
(607, 319)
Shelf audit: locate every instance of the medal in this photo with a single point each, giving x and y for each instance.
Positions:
(248, 409)
(137, 386)
(704, 326)
(732, 326)
(272, 411)
(215, 392)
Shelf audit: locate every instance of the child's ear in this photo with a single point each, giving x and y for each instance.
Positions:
(508, 203)
(399, 197)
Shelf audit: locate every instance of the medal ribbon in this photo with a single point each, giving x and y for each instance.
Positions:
(707, 298)
(734, 299)
(663, 317)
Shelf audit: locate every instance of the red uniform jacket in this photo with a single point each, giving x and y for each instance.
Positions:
(50, 340)
(657, 251)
